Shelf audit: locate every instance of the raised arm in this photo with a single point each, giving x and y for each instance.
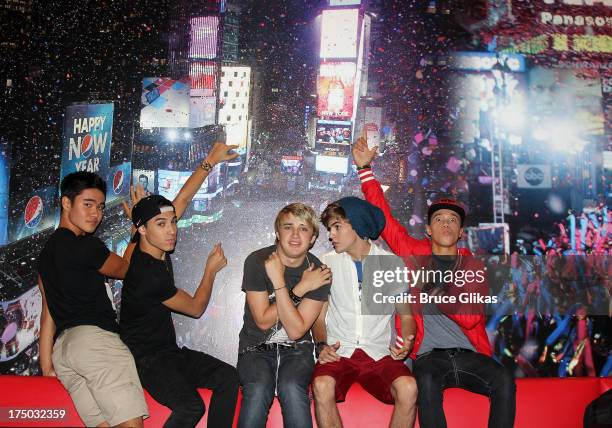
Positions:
(394, 233)
(219, 153)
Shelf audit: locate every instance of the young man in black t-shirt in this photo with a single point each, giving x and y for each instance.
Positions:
(285, 287)
(169, 373)
(88, 357)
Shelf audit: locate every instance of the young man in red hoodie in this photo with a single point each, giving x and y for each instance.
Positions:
(451, 348)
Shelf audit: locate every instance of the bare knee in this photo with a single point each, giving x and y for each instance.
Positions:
(404, 390)
(324, 388)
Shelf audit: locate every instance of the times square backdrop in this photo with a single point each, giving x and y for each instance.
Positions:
(503, 104)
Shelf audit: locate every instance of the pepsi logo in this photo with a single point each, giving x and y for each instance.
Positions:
(534, 176)
(86, 146)
(118, 180)
(33, 212)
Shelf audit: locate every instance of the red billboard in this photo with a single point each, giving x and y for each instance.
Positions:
(558, 28)
(335, 90)
(203, 76)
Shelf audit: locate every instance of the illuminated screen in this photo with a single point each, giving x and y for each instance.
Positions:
(333, 138)
(202, 111)
(344, 2)
(335, 90)
(339, 33)
(292, 164)
(236, 134)
(165, 103)
(331, 164)
(203, 40)
(203, 77)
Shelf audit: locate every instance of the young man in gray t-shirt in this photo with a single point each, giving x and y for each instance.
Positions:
(285, 288)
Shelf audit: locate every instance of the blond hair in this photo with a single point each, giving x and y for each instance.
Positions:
(301, 211)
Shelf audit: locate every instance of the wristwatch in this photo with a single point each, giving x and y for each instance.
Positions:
(206, 166)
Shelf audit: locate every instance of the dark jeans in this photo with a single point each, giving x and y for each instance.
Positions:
(258, 376)
(438, 370)
(172, 378)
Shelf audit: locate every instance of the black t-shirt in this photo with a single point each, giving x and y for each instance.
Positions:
(146, 324)
(256, 279)
(75, 291)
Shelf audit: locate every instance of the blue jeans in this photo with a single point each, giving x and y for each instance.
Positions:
(257, 371)
(437, 370)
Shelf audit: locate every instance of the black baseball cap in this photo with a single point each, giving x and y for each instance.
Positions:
(448, 204)
(147, 208)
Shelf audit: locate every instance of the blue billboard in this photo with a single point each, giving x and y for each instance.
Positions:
(118, 182)
(5, 166)
(34, 213)
(87, 139)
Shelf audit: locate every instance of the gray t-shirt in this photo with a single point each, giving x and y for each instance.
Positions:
(256, 279)
(439, 330)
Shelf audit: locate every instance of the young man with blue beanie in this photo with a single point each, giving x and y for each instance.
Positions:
(352, 347)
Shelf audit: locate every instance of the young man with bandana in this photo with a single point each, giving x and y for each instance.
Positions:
(169, 373)
(353, 347)
(451, 348)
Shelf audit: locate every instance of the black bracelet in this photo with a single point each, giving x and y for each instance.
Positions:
(366, 166)
(296, 299)
(280, 288)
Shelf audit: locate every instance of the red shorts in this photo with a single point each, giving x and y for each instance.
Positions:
(375, 377)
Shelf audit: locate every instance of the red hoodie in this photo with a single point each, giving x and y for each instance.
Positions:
(402, 244)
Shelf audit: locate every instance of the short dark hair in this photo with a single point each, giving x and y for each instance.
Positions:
(74, 183)
(331, 211)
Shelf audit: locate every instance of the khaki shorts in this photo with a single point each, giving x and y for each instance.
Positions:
(98, 371)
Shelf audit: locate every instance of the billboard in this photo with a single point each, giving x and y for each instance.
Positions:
(557, 29)
(534, 176)
(118, 182)
(165, 103)
(144, 177)
(88, 132)
(333, 137)
(292, 165)
(485, 61)
(169, 183)
(566, 98)
(203, 78)
(5, 174)
(339, 33)
(236, 134)
(335, 90)
(202, 111)
(373, 119)
(20, 319)
(344, 2)
(332, 164)
(33, 213)
(203, 37)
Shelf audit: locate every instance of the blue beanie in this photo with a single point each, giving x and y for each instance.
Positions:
(367, 220)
